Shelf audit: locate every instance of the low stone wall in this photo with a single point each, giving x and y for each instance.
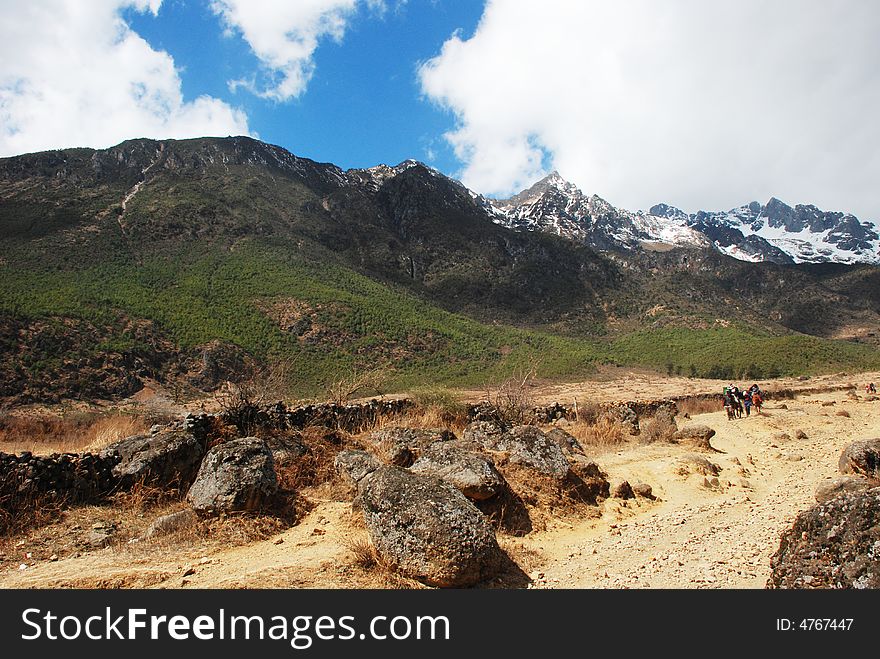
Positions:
(351, 417)
(73, 477)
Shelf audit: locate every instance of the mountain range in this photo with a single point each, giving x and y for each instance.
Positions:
(190, 261)
(773, 231)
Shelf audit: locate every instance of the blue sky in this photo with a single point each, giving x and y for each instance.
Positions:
(701, 105)
(363, 105)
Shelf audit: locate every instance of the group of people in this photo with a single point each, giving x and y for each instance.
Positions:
(870, 388)
(738, 402)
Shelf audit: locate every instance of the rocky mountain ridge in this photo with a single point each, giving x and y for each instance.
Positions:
(774, 231)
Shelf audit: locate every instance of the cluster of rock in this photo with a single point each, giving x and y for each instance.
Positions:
(627, 413)
(836, 543)
(431, 500)
(67, 476)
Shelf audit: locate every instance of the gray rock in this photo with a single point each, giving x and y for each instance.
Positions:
(484, 434)
(353, 466)
(167, 524)
(473, 474)
(862, 457)
(696, 436)
(529, 447)
(166, 459)
(842, 485)
(403, 446)
(427, 530)
(235, 476)
(832, 545)
(568, 443)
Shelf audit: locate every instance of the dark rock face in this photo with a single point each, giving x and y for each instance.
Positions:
(861, 457)
(695, 436)
(403, 446)
(236, 476)
(427, 530)
(471, 473)
(832, 545)
(623, 490)
(529, 447)
(353, 466)
(167, 459)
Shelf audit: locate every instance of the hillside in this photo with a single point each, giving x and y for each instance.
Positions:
(193, 261)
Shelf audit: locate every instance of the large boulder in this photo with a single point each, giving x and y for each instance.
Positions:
(166, 459)
(353, 466)
(473, 474)
(427, 530)
(530, 447)
(235, 476)
(862, 457)
(695, 436)
(403, 446)
(831, 545)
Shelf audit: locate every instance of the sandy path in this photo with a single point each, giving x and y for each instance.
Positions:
(699, 537)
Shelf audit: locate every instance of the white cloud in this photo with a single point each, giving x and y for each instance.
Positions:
(284, 35)
(73, 73)
(699, 104)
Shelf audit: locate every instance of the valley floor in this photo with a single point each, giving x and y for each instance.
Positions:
(699, 533)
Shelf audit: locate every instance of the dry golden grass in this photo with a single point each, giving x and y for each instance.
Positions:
(657, 430)
(75, 433)
(604, 434)
(373, 571)
(694, 406)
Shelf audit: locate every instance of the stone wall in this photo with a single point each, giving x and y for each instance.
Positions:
(69, 476)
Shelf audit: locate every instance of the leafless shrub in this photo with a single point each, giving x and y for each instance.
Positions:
(514, 399)
(241, 403)
(357, 380)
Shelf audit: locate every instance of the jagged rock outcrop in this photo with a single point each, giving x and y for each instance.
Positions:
(427, 530)
(166, 459)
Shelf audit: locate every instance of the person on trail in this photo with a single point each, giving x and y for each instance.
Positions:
(757, 401)
(747, 402)
(872, 389)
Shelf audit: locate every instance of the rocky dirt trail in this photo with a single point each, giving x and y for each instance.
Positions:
(703, 531)
(699, 534)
